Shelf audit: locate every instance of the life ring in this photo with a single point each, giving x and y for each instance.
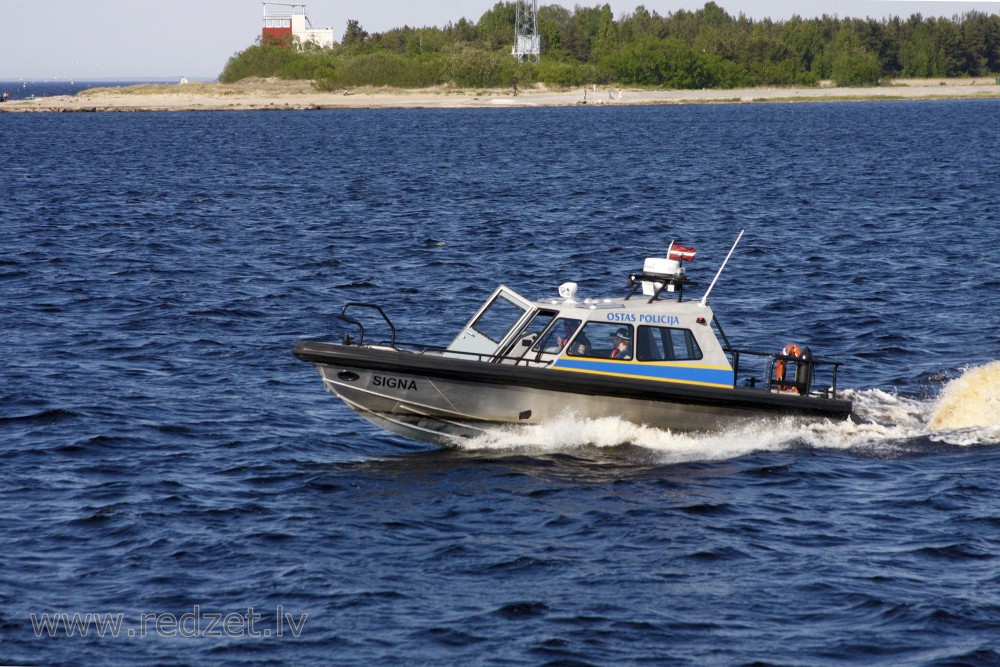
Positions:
(790, 350)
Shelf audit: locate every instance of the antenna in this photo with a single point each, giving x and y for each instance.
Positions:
(704, 298)
(527, 43)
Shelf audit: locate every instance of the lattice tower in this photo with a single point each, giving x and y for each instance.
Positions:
(527, 43)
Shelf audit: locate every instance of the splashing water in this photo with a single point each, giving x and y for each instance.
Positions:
(570, 432)
(967, 413)
(972, 400)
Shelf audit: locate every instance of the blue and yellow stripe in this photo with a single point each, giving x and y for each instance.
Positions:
(705, 376)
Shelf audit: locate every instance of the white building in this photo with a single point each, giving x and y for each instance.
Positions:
(283, 21)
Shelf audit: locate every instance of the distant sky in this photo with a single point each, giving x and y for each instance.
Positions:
(167, 39)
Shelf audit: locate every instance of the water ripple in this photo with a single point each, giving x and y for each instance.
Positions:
(163, 450)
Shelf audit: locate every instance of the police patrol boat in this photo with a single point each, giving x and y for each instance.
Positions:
(650, 357)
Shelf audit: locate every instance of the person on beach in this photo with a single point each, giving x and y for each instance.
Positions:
(4, 96)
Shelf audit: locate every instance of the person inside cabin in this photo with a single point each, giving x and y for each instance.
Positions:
(580, 346)
(559, 335)
(623, 344)
(569, 328)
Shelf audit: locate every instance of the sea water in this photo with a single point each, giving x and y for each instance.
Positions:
(26, 90)
(169, 469)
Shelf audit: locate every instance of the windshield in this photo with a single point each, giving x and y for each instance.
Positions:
(557, 336)
(498, 319)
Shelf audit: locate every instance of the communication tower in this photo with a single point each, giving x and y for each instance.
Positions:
(527, 43)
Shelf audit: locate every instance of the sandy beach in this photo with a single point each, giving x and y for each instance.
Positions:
(273, 94)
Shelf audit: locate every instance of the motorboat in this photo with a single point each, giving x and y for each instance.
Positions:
(650, 356)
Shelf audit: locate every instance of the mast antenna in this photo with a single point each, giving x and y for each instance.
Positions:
(704, 298)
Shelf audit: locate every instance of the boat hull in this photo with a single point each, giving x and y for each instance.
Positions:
(438, 399)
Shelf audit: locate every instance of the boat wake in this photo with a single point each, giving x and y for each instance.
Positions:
(966, 413)
(972, 401)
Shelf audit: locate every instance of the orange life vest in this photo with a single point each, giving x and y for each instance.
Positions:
(790, 350)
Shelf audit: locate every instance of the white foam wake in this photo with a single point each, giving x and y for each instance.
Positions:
(967, 412)
(570, 432)
(973, 400)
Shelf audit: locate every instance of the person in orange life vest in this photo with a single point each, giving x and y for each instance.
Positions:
(623, 344)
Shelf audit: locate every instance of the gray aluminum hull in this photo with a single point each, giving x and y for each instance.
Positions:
(437, 399)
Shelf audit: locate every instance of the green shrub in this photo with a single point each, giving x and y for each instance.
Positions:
(481, 69)
(382, 69)
(565, 73)
(260, 61)
(855, 66)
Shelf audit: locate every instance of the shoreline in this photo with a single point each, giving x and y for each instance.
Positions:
(280, 95)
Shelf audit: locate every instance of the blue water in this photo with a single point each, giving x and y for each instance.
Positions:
(164, 454)
(23, 90)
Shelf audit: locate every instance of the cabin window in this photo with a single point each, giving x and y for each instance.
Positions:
(533, 329)
(498, 319)
(538, 323)
(667, 344)
(557, 336)
(598, 340)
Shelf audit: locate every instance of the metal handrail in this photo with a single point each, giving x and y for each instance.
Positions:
(361, 327)
(424, 348)
(775, 357)
(419, 348)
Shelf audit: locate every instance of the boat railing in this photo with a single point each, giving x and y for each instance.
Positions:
(770, 359)
(424, 348)
(361, 327)
(417, 348)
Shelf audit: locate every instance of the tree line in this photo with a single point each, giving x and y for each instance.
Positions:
(706, 48)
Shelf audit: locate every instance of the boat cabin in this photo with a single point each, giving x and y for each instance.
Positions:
(654, 339)
(652, 335)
